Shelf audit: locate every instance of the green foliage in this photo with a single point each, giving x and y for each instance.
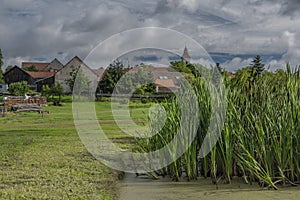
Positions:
(190, 71)
(44, 158)
(260, 137)
(137, 82)
(143, 81)
(1, 59)
(19, 88)
(1, 71)
(111, 76)
(1, 76)
(56, 90)
(31, 69)
(46, 91)
(180, 66)
(257, 66)
(123, 81)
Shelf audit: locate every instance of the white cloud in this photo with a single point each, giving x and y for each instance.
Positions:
(32, 29)
(236, 63)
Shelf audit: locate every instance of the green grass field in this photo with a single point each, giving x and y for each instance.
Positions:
(43, 157)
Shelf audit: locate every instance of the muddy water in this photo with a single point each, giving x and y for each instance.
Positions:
(143, 188)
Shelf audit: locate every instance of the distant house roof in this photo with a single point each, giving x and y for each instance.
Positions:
(40, 75)
(38, 65)
(162, 73)
(99, 71)
(80, 63)
(54, 66)
(230, 74)
(167, 83)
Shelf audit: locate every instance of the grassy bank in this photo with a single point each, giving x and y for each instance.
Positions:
(43, 157)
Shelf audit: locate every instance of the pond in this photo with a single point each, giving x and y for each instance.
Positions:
(144, 188)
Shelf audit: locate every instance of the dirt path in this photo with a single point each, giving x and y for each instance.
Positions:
(143, 188)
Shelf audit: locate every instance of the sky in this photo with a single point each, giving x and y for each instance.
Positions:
(231, 31)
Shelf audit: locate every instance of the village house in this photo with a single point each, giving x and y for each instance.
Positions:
(38, 74)
(166, 80)
(40, 71)
(65, 73)
(17, 74)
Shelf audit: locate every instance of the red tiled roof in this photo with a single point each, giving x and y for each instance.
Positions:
(230, 74)
(167, 83)
(41, 74)
(39, 66)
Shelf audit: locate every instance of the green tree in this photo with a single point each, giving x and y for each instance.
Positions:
(137, 82)
(57, 90)
(1, 59)
(144, 82)
(31, 69)
(180, 66)
(46, 91)
(19, 88)
(111, 76)
(1, 76)
(190, 71)
(257, 66)
(1, 71)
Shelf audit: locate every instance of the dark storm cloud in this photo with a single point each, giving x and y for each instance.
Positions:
(40, 29)
(290, 7)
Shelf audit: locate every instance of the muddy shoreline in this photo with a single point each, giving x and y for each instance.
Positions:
(143, 187)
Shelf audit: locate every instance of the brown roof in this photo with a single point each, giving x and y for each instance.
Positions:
(81, 63)
(39, 66)
(41, 74)
(167, 83)
(99, 71)
(162, 73)
(230, 74)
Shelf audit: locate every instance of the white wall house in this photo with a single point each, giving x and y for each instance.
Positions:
(64, 74)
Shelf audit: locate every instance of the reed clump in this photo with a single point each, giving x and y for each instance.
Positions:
(260, 137)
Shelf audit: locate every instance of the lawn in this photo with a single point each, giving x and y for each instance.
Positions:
(43, 157)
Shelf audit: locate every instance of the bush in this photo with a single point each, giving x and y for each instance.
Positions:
(19, 88)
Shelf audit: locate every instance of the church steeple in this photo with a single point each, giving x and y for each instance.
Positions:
(186, 56)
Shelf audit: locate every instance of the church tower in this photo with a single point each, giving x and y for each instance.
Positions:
(186, 56)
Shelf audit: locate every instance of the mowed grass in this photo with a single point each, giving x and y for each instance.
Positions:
(43, 157)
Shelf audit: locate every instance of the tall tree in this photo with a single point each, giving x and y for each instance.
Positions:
(111, 76)
(1, 76)
(257, 66)
(1, 63)
(57, 90)
(144, 82)
(1, 59)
